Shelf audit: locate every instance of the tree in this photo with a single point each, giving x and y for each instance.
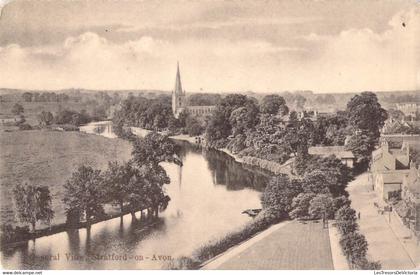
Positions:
(321, 207)
(300, 205)
(203, 99)
(45, 118)
(366, 114)
(274, 104)
(362, 145)
(218, 127)
(153, 149)
(27, 96)
(147, 153)
(33, 204)
(154, 196)
(84, 193)
(280, 192)
(315, 182)
(298, 135)
(99, 112)
(244, 118)
(193, 126)
(337, 174)
(17, 109)
(117, 183)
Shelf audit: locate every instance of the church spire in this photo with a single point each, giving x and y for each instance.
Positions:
(178, 85)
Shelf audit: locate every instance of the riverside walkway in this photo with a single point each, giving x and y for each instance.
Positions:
(288, 245)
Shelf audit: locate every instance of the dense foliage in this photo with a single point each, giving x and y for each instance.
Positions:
(151, 114)
(33, 204)
(203, 99)
(133, 186)
(66, 116)
(267, 130)
(84, 194)
(366, 118)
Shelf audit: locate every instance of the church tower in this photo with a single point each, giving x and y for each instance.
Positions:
(178, 95)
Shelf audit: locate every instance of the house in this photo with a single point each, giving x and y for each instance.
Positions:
(346, 156)
(387, 182)
(408, 108)
(388, 168)
(386, 158)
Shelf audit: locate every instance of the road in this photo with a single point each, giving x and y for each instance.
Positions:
(389, 243)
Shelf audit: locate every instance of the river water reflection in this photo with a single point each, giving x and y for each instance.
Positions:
(208, 194)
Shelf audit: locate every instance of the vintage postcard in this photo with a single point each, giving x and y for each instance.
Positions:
(210, 135)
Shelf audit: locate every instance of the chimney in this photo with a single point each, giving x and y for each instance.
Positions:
(385, 144)
(412, 164)
(405, 147)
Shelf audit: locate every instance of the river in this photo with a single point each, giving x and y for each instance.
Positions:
(208, 194)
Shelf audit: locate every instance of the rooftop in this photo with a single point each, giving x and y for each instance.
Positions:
(394, 176)
(338, 151)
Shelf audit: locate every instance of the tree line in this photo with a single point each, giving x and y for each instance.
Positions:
(266, 129)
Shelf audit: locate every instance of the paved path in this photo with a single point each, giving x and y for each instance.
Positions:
(385, 245)
(291, 245)
(339, 259)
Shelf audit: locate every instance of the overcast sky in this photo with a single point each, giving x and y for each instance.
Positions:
(263, 46)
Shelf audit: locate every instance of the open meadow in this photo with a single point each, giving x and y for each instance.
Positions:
(49, 158)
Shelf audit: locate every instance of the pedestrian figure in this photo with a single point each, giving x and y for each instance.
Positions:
(358, 215)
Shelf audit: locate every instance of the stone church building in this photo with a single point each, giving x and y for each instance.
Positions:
(180, 103)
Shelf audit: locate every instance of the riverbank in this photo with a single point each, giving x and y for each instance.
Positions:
(145, 221)
(271, 166)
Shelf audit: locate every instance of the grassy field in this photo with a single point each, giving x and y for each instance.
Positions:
(49, 158)
(295, 246)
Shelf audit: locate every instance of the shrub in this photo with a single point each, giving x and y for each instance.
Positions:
(264, 219)
(339, 202)
(346, 220)
(364, 264)
(354, 246)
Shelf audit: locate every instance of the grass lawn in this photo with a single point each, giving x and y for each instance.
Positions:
(295, 246)
(49, 158)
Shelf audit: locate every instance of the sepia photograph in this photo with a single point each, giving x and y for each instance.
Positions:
(209, 135)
